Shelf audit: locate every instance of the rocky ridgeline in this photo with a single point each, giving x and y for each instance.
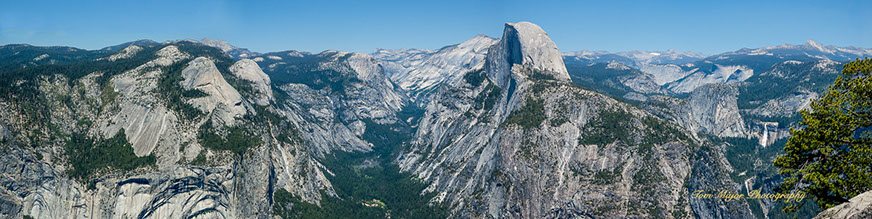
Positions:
(504, 132)
(516, 139)
(219, 185)
(421, 72)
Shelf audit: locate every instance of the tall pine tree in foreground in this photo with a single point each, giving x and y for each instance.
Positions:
(830, 157)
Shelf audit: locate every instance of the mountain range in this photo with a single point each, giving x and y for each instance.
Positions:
(507, 127)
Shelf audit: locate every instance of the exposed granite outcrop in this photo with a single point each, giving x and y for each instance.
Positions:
(858, 207)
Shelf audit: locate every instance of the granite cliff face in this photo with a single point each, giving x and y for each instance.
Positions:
(249, 70)
(710, 109)
(516, 139)
(222, 99)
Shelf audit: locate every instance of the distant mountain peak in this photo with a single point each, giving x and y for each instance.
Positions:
(233, 51)
(142, 42)
(638, 58)
(809, 49)
(221, 44)
(482, 36)
(818, 46)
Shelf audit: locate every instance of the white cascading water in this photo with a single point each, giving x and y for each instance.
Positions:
(765, 139)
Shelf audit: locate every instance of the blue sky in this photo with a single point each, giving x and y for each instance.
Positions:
(363, 26)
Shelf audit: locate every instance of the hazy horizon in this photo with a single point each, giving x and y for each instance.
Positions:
(701, 27)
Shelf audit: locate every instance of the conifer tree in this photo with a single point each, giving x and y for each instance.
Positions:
(830, 156)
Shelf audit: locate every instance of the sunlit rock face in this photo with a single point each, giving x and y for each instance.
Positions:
(249, 70)
(858, 207)
(524, 44)
(201, 74)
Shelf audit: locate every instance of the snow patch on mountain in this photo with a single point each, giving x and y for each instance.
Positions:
(671, 56)
(825, 64)
(810, 49)
(618, 66)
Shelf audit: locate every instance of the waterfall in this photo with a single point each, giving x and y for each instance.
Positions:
(764, 141)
